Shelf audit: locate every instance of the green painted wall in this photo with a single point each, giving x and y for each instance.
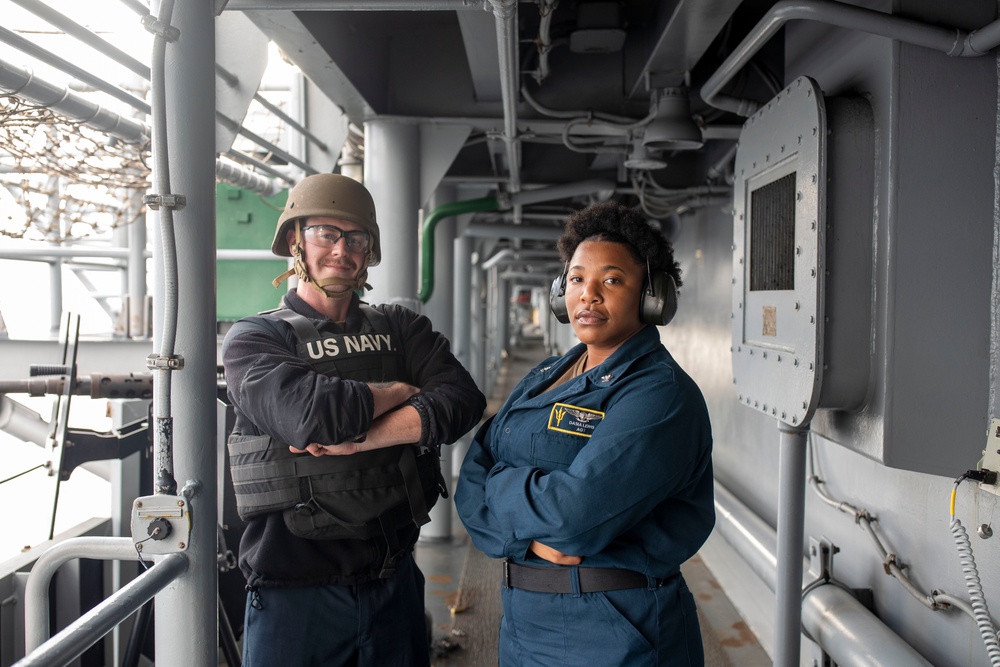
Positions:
(245, 219)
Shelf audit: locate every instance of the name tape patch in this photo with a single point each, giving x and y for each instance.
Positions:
(574, 420)
(349, 344)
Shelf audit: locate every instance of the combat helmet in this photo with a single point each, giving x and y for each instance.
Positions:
(330, 196)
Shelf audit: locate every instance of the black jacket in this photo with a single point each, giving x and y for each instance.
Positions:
(274, 392)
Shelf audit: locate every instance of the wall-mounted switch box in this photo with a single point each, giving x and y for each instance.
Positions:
(991, 456)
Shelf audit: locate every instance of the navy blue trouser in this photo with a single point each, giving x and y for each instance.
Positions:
(377, 624)
(638, 627)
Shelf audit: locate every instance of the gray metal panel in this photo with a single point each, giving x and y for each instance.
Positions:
(287, 31)
(687, 28)
(850, 200)
(241, 48)
(777, 343)
(479, 33)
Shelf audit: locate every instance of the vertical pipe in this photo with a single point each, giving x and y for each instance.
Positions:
(137, 324)
(439, 308)
(392, 175)
(56, 292)
(477, 355)
(791, 520)
(186, 611)
(462, 325)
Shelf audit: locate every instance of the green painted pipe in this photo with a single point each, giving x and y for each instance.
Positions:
(427, 236)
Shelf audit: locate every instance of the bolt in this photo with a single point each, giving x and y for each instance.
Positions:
(180, 545)
(138, 503)
(180, 503)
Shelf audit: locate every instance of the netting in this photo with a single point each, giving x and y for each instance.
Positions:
(68, 180)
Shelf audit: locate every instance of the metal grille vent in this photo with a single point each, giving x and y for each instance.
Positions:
(772, 235)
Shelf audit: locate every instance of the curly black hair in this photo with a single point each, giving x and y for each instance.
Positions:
(610, 221)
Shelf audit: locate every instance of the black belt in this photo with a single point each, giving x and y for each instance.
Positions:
(561, 579)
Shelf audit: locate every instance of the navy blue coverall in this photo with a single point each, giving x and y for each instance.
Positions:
(614, 466)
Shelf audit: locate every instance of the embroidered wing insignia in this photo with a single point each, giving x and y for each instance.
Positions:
(582, 416)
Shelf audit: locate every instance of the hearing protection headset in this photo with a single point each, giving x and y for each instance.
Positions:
(658, 305)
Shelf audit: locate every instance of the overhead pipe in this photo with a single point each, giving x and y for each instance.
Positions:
(502, 202)
(124, 59)
(505, 12)
(484, 230)
(510, 256)
(233, 126)
(23, 83)
(248, 180)
(427, 236)
(21, 44)
(83, 34)
(21, 422)
(354, 5)
(950, 41)
(232, 80)
(833, 618)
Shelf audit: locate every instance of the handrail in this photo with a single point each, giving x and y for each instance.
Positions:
(83, 633)
(36, 590)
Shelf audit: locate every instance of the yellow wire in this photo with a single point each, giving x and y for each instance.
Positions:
(954, 492)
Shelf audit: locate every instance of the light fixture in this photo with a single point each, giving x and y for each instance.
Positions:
(641, 158)
(673, 129)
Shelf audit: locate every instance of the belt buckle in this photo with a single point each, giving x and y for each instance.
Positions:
(506, 573)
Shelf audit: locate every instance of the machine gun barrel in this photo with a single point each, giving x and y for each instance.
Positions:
(97, 385)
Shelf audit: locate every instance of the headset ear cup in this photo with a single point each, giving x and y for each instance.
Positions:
(557, 299)
(659, 300)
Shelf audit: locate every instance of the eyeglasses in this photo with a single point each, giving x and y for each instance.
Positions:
(326, 236)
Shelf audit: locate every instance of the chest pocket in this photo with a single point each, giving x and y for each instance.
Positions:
(555, 451)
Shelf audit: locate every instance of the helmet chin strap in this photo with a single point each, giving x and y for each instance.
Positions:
(302, 272)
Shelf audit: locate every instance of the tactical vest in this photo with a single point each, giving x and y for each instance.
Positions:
(360, 496)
